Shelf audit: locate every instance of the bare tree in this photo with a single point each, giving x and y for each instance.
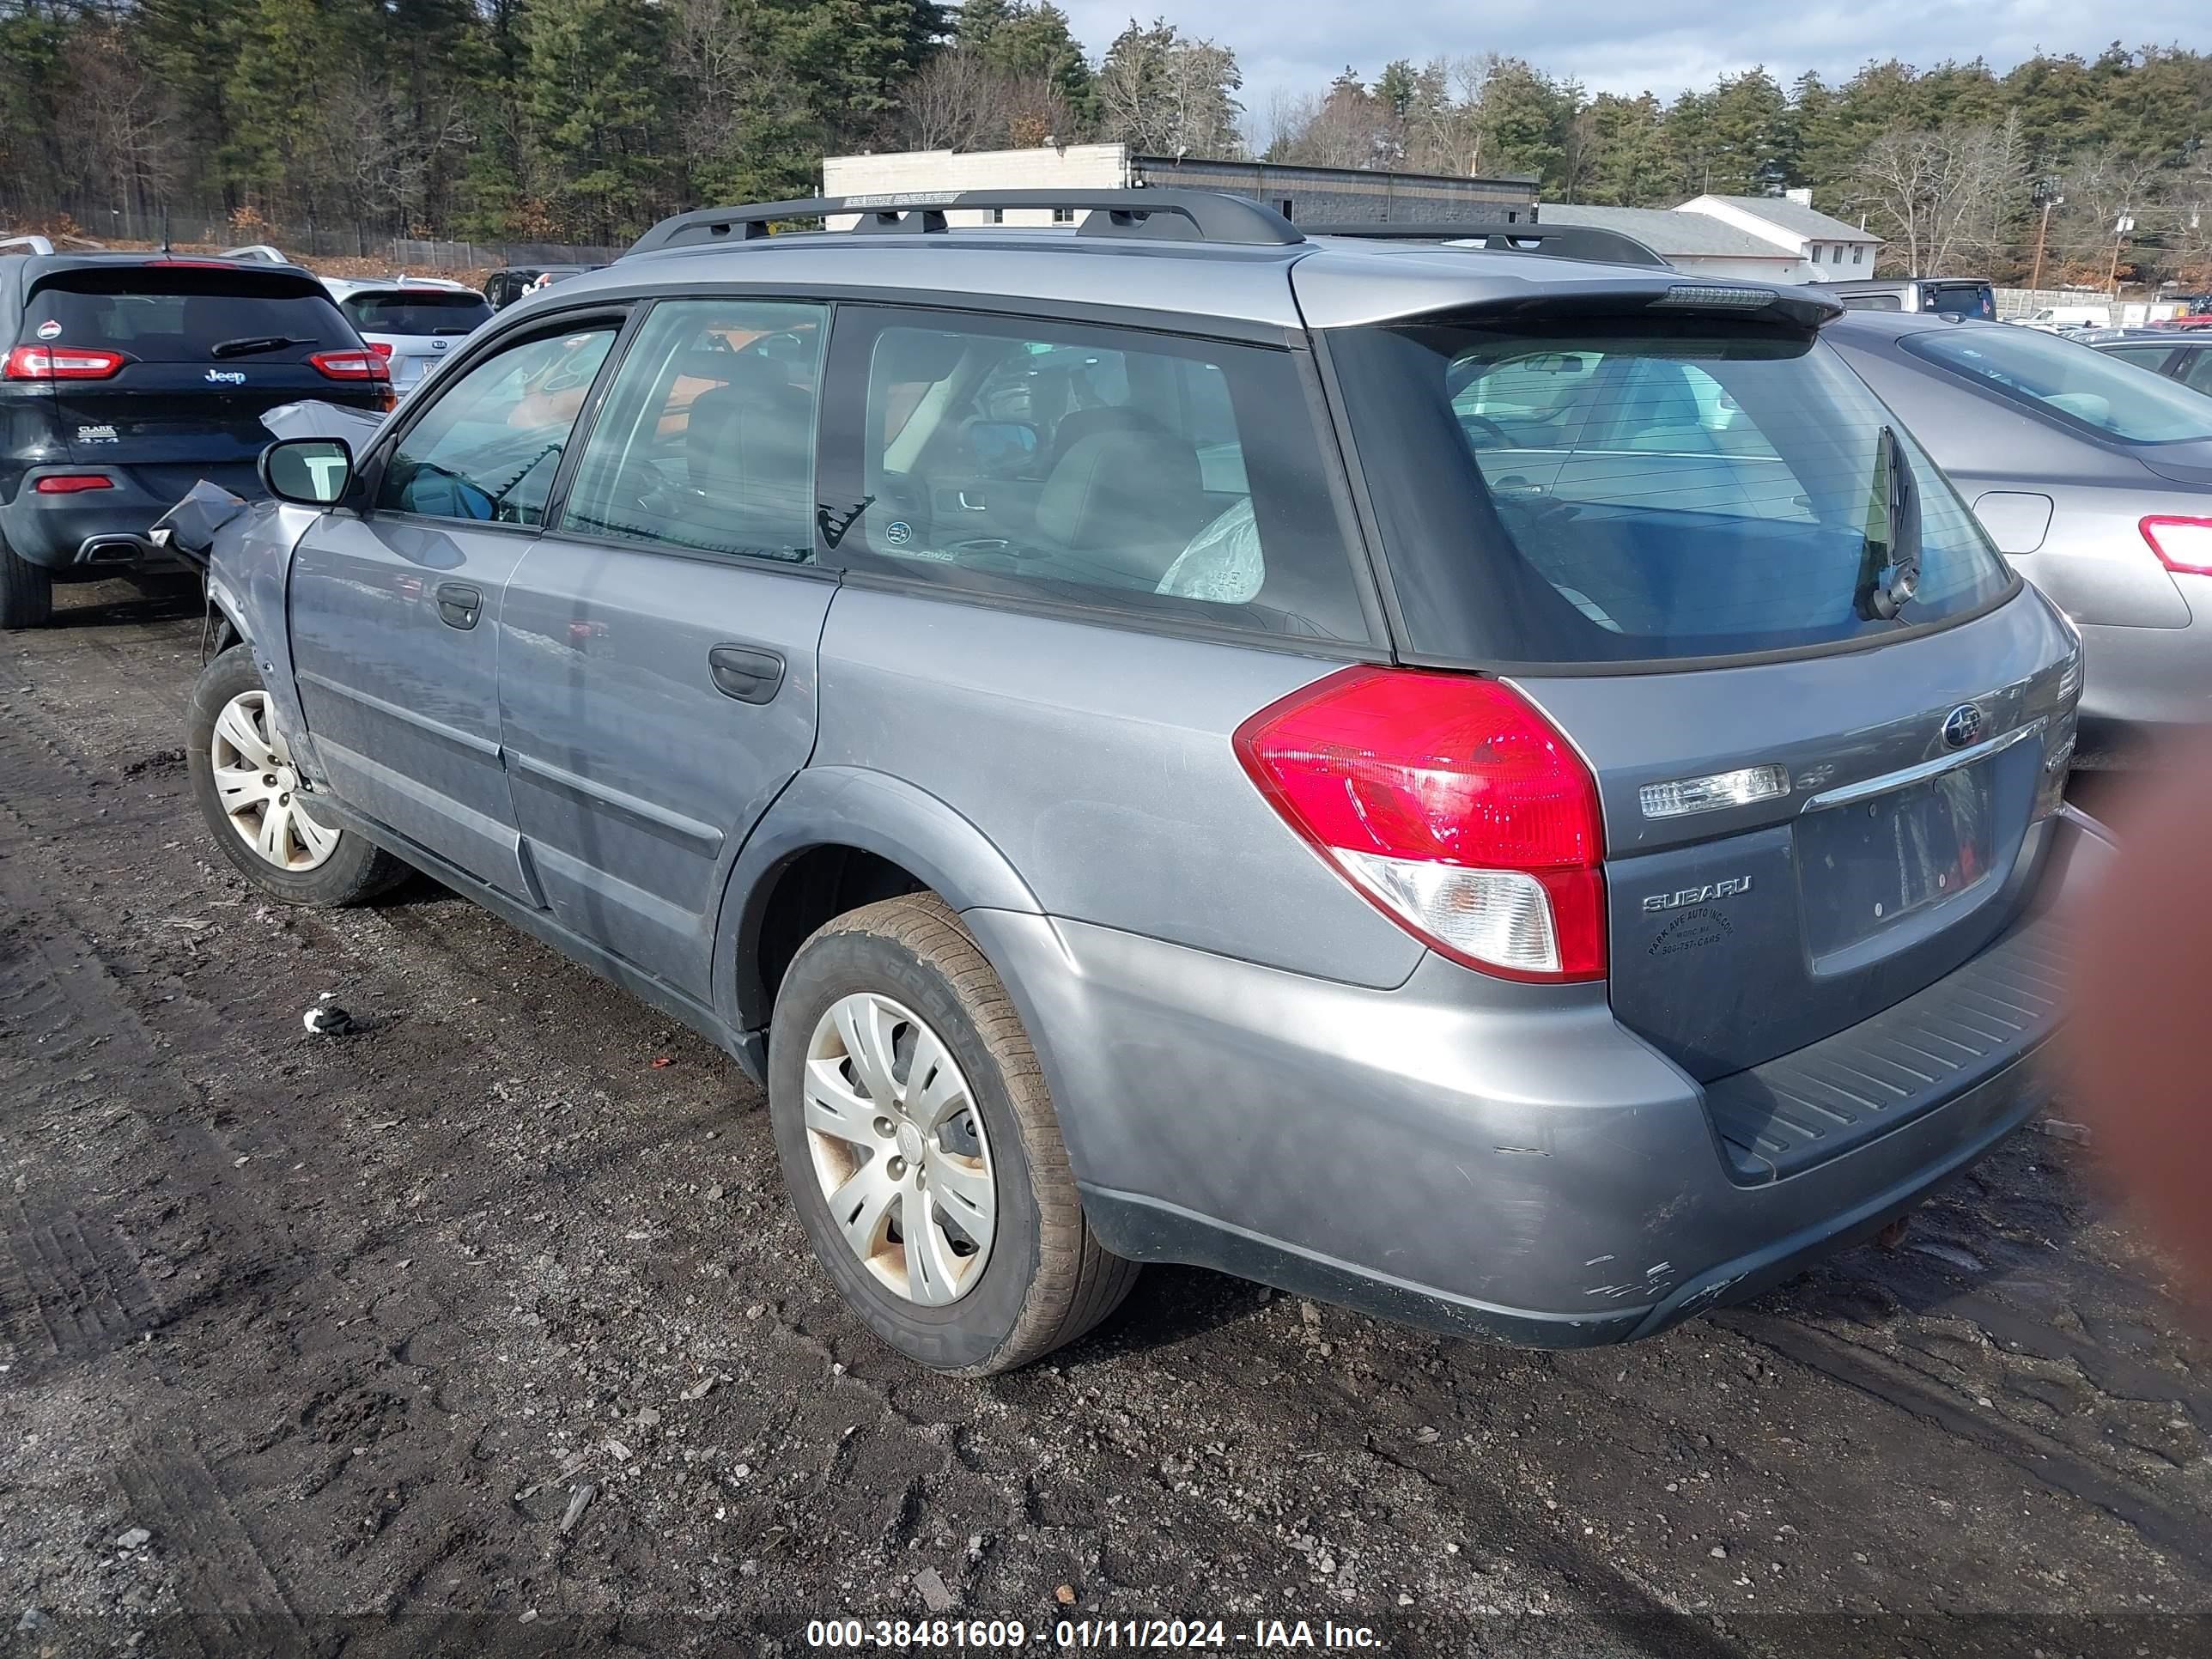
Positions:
(1943, 196)
(2112, 197)
(1167, 95)
(956, 102)
(120, 135)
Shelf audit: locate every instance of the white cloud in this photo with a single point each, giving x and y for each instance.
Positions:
(1662, 46)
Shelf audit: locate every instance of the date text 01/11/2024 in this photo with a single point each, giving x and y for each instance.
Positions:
(1166, 1634)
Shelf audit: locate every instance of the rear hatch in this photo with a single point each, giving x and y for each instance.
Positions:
(1817, 706)
(414, 329)
(167, 366)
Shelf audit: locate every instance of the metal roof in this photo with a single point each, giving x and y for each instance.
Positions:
(1794, 217)
(1670, 231)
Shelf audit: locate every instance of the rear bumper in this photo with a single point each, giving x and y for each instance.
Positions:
(94, 531)
(2142, 685)
(1507, 1165)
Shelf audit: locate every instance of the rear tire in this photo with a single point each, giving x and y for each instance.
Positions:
(26, 592)
(326, 867)
(1043, 1279)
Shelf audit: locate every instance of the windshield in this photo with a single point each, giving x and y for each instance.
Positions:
(2079, 384)
(1637, 492)
(416, 312)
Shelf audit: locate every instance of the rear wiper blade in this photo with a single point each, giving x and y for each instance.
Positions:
(254, 343)
(1889, 571)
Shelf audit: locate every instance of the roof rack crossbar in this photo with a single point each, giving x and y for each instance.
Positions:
(260, 252)
(1202, 216)
(1589, 242)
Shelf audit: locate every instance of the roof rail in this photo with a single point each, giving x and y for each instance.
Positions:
(28, 244)
(1194, 215)
(259, 252)
(1609, 248)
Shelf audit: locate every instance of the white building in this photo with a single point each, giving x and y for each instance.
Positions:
(1309, 195)
(1833, 251)
(1690, 242)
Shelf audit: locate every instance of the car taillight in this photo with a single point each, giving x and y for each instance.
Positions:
(350, 365)
(382, 349)
(45, 362)
(2183, 546)
(73, 483)
(1453, 806)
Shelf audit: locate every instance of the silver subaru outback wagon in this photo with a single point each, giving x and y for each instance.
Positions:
(1481, 779)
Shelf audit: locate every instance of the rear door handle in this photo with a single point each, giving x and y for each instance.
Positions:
(745, 673)
(458, 605)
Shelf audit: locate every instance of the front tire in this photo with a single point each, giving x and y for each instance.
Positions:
(26, 592)
(920, 1149)
(248, 790)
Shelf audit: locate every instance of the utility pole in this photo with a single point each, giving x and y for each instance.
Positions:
(2046, 191)
(2121, 226)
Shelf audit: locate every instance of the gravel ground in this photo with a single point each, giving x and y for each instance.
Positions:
(484, 1330)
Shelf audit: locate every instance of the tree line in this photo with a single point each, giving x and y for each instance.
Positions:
(584, 120)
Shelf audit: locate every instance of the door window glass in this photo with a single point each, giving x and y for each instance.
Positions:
(2196, 370)
(1098, 467)
(706, 440)
(489, 448)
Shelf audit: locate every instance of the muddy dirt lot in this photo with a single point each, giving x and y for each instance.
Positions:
(479, 1331)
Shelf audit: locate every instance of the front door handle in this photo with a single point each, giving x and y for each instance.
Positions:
(458, 605)
(744, 673)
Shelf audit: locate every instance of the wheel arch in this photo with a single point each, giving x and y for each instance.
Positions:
(841, 836)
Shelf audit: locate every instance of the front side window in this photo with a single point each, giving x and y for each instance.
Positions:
(2076, 383)
(1593, 492)
(2196, 370)
(1097, 467)
(2152, 357)
(488, 449)
(706, 437)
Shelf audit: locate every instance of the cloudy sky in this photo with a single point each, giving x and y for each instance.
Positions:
(1628, 45)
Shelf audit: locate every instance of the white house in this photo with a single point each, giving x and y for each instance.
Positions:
(1835, 252)
(1690, 242)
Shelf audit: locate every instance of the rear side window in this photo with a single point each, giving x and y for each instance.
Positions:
(2077, 383)
(2197, 370)
(2152, 357)
(488, 448)
(706, 437)
(415, 313)
(1089, 467)
(179, 314)
(1628, 493)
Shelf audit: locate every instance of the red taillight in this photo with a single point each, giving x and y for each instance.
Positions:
(73, 483)
(382, 349)
(350, 365)
(2183, 546)
(45, 362)
(1453, 806)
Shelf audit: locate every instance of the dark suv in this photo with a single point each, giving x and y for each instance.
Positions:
(125, 378)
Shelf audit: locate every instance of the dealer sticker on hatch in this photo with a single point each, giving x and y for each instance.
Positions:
(96, 434)
(50, 329)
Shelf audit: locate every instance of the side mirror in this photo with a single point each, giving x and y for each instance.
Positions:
(1002, 449)
(307, 472)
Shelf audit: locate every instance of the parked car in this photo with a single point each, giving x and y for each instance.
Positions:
(127, 376)
(1552, 829)
(2064, 320)
(1950, 296)
(503, 288)
(2183, 357)
(412, 322)
(2094, 478)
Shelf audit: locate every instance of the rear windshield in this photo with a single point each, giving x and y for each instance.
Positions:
(2079, 384)
(1637, 492)
(415, 313)
(1959, 299)
(185, 313)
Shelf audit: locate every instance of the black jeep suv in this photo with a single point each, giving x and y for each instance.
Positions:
(125, 378)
